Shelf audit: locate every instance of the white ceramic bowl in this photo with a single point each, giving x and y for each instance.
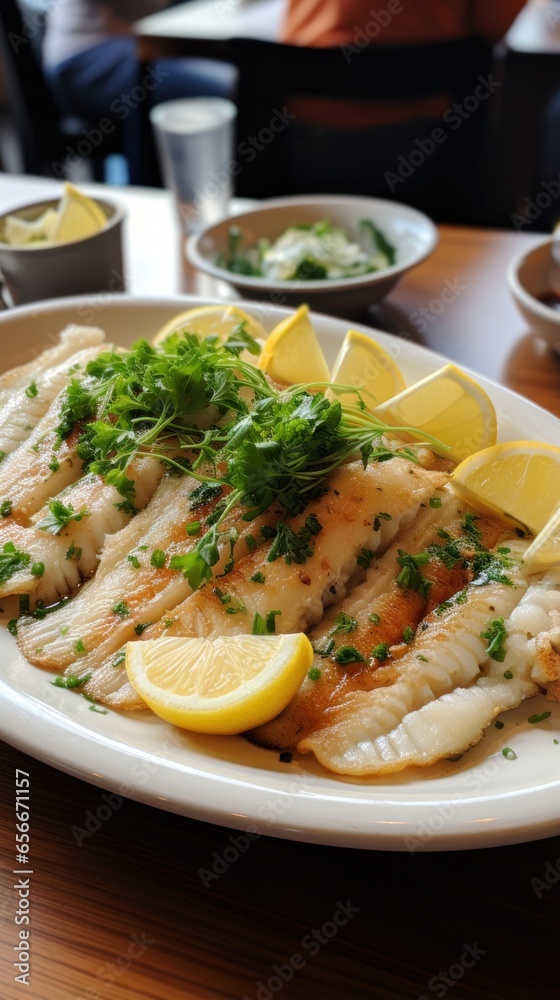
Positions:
(413, 234)
(530, 276)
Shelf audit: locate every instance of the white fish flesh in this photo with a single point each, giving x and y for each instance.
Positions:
(24, 408)
(72, 339)
(73, 554)
(376, 611)
(457, 720)
(448, 655)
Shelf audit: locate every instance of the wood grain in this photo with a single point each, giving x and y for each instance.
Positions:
(138, 875)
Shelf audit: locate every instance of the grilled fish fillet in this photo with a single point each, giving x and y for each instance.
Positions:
(23, 409)
(447, 655)
(28, 476)
(73, 554)
(457, 720)
(347, 513)
(300, 591)
(146, 589)
(73, 338)
(392, 609)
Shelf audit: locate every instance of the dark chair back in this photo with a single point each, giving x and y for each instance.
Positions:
(43, 132)
(35, 115)
(301, 157)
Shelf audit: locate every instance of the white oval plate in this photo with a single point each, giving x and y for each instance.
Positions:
(480, 801)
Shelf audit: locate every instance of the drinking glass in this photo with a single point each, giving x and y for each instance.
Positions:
(195, 138)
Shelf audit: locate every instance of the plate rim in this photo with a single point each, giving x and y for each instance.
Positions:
(537, 820)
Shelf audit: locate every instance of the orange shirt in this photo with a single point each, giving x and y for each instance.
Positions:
(401, 22)
(329, 23)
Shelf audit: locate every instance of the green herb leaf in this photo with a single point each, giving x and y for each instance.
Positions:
(539, 717)
(496, 635)
(72, 681)
(59, 517)
(410, 577)
(348, 654)
(12, 560)
(381, 651)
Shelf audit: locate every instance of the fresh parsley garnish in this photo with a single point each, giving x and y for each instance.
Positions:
(294, 547)
(11, 561)
(348, 654)
(496, 635)
(344, 623)
(266, 625)
(59, 517)
(410, 577)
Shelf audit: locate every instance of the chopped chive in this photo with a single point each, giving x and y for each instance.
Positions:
(508, 675)
(134, 561)
(539, 717)
(79, 647)
(73, 681)
(192, 528)
(435, 502)
(38, 569)
(374, 619)
(141, 628)
(499, 725)
(314, 674)
(5, 508)
(32, 391)
(408, 634)
(12, 626)
(158, 558)
(424, 659)
(258, 578)
(509, 754)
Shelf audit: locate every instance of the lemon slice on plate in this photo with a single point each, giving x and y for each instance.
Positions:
(222, 686)
(292, 352)
(364, 363)
(544, 552)
(450, 406)
(519, 480)
(216, 320)
(78, 216)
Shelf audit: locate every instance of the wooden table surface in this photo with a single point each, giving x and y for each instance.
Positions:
(124, 915)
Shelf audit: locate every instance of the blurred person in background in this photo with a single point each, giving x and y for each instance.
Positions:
(89, 55)
(359, 145)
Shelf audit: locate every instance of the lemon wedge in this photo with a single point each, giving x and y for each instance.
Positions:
(450, 406)
(78, 216)
(519, 480)
(216, 320)
(364, 363)
(544, 552)
(292, 352)
(19, 232)
(224, 685)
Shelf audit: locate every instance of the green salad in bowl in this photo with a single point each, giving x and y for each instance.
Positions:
(309, 252)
